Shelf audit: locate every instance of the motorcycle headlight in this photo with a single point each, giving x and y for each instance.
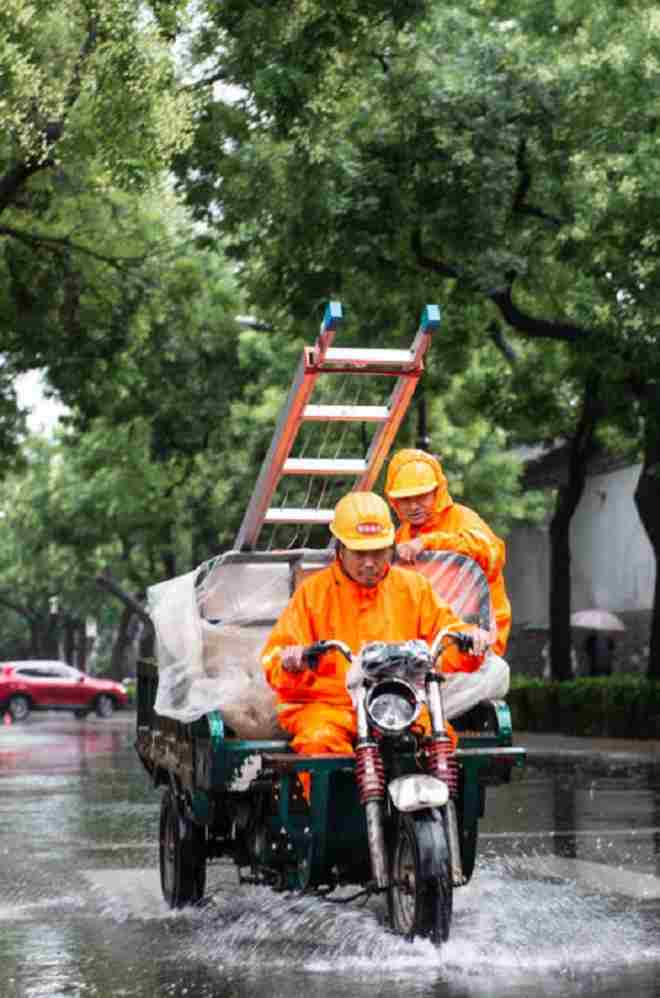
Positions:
(392, 705)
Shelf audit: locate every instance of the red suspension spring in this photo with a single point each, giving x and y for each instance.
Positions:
(441, 762)
(369, 772)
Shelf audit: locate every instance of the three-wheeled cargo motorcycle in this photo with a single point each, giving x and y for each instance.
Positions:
(399, 817)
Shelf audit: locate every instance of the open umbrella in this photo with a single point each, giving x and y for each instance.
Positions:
(597, 620)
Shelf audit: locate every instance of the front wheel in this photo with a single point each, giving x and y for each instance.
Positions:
(420, 895)
(19, 707)
(182, 855)
(105, 705)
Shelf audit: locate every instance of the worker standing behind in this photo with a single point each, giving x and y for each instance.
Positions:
(430, 520)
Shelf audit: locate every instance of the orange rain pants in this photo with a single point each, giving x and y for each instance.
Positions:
(453, 527)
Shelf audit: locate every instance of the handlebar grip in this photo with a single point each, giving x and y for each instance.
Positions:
(464, 641)
(313, 652)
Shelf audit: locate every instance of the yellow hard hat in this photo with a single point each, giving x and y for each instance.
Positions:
(362, 522)
(412, 479)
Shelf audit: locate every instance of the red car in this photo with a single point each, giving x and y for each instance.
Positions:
(41, 684)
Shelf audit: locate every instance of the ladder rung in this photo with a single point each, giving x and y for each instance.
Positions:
(363, 360)
(299, 515)
(324, 466)
(346, 413)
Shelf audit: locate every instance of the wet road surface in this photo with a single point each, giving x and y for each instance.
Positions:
(565, 899)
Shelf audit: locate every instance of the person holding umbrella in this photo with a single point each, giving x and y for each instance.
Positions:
(599, 643)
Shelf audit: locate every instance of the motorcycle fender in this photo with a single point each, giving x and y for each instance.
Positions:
(418, 791)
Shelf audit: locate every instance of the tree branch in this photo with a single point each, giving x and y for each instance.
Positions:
(16, 177)
(105, 581)
(86, 49)
(382, 60)
(20, 610)
(427, 262)
(502, 344)
(520, 206)
(63, 242)
(501, 297)
(205, 81)
(531, 326)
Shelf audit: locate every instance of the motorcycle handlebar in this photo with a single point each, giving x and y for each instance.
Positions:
(463, 640)
(313, 652)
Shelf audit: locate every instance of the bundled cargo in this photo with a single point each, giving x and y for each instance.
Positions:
(211, 625)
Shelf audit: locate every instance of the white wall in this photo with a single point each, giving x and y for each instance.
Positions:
(612, 563)
(526, 573)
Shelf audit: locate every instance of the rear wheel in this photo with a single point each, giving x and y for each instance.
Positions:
(105, 705)
(421, 892)
(19, 707)
(182, 855)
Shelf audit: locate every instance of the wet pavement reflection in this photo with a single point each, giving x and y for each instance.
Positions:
(565, 899)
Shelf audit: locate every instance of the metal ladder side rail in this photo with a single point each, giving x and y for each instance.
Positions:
(409, 365)
(286, 429)
(399, 400)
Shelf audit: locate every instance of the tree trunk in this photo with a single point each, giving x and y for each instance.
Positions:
(168, 555)
(121, 644)
(147, 647)
(35, 638)
(69, 642)
(131, 607)
(204, 533)
(647, 500)
(560, 582)
(83, 646)
(568, 497)
(50, 636)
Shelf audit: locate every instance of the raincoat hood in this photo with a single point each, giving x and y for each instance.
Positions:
(410, 456)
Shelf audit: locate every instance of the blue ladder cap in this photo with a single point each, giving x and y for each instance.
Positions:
(430, 318)
(333, 315)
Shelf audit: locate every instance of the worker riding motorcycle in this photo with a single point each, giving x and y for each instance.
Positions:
(406, 781)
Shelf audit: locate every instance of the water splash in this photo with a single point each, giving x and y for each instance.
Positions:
(512, 925)
(513, 918)
(508, 919)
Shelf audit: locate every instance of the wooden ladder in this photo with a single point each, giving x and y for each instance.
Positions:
(322, 358)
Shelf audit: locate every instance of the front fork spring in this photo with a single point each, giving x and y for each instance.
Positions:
(441, 761)
(369, 772)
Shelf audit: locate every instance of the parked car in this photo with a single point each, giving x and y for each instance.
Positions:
(41, 684)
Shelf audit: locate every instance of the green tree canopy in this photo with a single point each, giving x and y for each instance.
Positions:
(91, 112)
(505, 159)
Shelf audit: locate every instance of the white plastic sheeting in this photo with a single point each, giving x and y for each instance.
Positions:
(211, 625)
(463, 690)
(459, 581)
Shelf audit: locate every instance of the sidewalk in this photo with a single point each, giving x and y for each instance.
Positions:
(560, 746)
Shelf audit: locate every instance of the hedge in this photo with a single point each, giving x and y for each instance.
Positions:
(621, 706)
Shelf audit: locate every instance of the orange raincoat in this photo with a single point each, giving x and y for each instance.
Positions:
(453, 527)
(314, 705)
